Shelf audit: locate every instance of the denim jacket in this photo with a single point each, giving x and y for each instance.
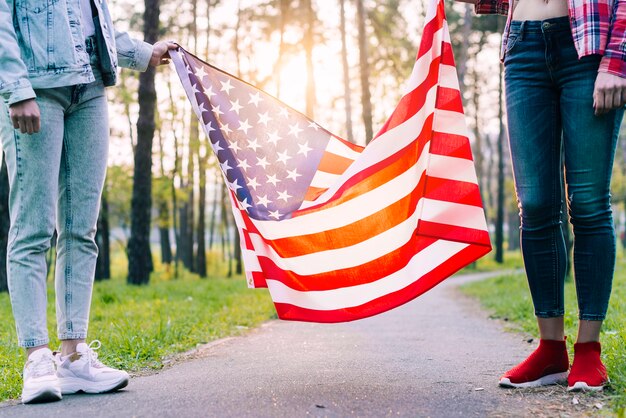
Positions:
(42, 46)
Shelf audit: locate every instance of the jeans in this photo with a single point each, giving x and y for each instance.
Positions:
(552, 126)
(56, 178)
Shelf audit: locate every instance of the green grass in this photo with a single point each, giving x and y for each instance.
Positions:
(512, 261)
(140, 326)
(508, 298)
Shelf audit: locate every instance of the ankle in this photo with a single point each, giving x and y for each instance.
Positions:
(69, 346)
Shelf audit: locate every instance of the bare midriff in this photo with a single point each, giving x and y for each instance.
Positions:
(539, 9)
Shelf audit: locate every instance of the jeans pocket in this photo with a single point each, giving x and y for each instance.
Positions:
(511, 41)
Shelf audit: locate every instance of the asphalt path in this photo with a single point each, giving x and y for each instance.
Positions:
(438, 356)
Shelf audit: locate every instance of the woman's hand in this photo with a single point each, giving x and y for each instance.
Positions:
(25, 116)
(161, 53)
(609, 93)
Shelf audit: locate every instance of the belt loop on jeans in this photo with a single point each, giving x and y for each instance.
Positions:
(521, 31)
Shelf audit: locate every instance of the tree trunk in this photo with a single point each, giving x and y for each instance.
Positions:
(308, 51)
(173, 181)
(164, 210)
(103, 263)
(200, 234)
(139, 257)
(366, 99)
(499, 253)
(4, 224)
(346, 72)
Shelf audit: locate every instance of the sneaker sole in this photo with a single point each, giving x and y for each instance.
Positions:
(584, 387)
(71, 385)
(42, 396)
(550, 379)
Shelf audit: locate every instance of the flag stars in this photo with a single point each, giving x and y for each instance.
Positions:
(208, 92)
(244, 126)
(273, 179)
(283, 112)
(283, 157)
(234, 186)
(314, 126)
(264, 118)
(216, 146)
(209, 127)
(234, 146)
(226, 129)
(253, 183)
(254, 144)
(216, 110)
(243, 164)
(262, 162)
(293, 174)
(200, 73)
(263, 200)
(225, 167)
(226, 86)
(294, 130)
(274, 214)
(284, 196)
(235, 106)
(273, 137)
(304, 149)
(244, 204)
(255, 99)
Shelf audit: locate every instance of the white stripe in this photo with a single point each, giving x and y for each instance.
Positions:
(455, 214)
(345, 257)
(450, 122)
(452, 168)
(324, 180)
(337, 147)
(421, 264)
(384, 146)
(350, 211)
(448, 77)
(423, 63)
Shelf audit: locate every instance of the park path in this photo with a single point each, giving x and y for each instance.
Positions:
(438, 356)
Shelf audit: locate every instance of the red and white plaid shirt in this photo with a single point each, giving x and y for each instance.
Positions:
(598, 27)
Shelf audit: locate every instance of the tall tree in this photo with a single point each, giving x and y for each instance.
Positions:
(103, 262)
(4, 223)
(162, 204)
(309, 43)
(139, 255)
(366, 97)
(346, 72)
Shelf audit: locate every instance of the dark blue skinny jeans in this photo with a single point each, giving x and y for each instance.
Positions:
(549, 96)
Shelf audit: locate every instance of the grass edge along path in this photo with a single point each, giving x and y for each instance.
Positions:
(140, 327)
(507, 298)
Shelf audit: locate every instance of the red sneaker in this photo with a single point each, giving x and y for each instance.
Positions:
(547, 365)
(588, 372)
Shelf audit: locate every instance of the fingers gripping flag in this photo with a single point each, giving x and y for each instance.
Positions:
(335, 231)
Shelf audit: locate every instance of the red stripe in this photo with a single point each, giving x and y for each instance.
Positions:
(451, 145)
(449, 99)
(428, 35)
(390, 301)
(447, 54)
(453, 191)
(360, 274)
(453, 233)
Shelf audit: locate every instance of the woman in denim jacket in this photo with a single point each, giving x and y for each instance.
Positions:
(565, 69)
(56, 58)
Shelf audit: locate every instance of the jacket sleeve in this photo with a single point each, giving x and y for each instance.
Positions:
(492, 7)
(132, 53)
(14, 84)
(614, 59)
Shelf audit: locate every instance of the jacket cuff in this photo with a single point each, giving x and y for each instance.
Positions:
(613, 65)
(22, 90)
(142, 56)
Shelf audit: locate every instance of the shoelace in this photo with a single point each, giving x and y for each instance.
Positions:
(93, 355)
(43, 366)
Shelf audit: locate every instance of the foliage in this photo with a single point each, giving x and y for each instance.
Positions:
(139, 327)
(508, 298)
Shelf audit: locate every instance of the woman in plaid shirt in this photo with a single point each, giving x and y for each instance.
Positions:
(565, 76)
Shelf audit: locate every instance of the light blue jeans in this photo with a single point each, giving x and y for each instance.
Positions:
(56, 177)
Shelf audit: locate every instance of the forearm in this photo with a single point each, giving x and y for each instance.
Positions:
(14, 84)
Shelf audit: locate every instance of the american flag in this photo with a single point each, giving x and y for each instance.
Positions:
(335, 231)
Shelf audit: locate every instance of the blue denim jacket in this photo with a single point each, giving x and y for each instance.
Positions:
(42, 46)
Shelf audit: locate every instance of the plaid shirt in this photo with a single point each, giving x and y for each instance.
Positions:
(598, 27)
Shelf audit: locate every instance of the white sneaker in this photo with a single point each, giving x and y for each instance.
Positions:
(40, 379)
(82, 371)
